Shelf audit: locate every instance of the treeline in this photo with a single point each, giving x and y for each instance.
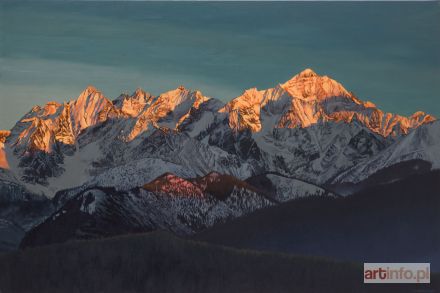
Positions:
(159, 262)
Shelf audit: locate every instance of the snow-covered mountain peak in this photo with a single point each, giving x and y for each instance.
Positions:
(51, 108)
(308, 85)
(308, 72)
(90, 93)
(43, 127)
(43, 112)
(249, 127)
(296, 103)
(135, 104)
(172, 99)
(141, 96)
(89, 90)
(89, 109)
(308, 99)
(140, 92)
(168, 110)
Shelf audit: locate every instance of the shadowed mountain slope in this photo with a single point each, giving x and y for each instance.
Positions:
(395, 222)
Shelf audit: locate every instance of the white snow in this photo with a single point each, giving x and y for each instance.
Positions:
(138, 173)
(288, 189)
(201, 125)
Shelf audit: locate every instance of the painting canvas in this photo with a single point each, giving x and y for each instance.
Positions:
(229, 146)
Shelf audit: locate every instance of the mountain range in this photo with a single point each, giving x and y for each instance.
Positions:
(185, 162)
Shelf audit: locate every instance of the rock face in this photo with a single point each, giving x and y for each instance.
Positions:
(3, 159)
(310, 127)
(308, 99)
(168, 110)
(133, 105)
(182, 149)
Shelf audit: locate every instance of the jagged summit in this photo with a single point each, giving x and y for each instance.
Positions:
(168, 110)
(308, 85)
(139, 92)
(87, 110)
(304, 100)
(307, 99)
(308, 72)
(135, 104)
(309, 127)
(89, 89)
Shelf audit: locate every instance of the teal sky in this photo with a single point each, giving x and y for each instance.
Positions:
(386, 52)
